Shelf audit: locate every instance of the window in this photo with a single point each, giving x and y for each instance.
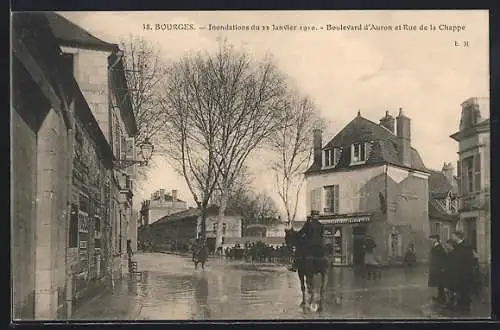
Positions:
(435, 228)
(215, 228)
(330, 159)
(445, 234)
(358, 154)
(316, 199)
(331, 199)
(468, 168)
(73, 227)
(477, 172)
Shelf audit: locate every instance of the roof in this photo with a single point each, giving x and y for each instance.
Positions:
(189, 214)
(385, 147)
(439, 185)
(41, 43)
(71, 34)
(482, 126)
(436, 212)
(168, 198)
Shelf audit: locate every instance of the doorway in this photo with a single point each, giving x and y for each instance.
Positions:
(470, 232)
(358, 237)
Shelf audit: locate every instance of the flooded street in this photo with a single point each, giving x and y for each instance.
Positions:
(171, 289)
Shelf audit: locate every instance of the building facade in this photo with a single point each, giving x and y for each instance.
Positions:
(369, 180)
(473, 168)
(160, 205)
(99, 70)
(66, 194)
(443, 202)
(177, 231)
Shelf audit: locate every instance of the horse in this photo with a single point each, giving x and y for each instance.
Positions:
(308, 265)
(200, 255)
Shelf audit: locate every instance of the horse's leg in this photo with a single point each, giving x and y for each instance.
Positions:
(303, 288)
(310, 288)
(324, 280)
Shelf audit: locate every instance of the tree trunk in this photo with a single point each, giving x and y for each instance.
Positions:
(220, 220)
(203, 225)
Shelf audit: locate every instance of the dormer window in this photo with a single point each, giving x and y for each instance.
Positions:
(331, 157)
(358, 153)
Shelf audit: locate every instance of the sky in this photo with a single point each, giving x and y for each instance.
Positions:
(428, 73)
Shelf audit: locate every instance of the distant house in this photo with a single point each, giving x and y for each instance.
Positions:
(160, 205)
(369, 179)
(178, 230)
(443, 202)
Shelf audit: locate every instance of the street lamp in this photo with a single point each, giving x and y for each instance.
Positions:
(147, 149)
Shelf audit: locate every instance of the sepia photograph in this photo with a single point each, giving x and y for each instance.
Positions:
(250, 165)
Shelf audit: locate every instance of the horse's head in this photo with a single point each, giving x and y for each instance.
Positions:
(290, 237)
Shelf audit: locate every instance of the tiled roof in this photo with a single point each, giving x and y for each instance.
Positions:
(439, 185)
(189, 214)
(436, 212)
(71, 34)
(385, 146)
(168, 198)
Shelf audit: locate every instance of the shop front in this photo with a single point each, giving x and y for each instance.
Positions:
(343, 239)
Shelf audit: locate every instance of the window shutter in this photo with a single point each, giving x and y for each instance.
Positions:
(368, 149)
(316, 199)
(129, 149)
(336, 198)
(463, 176)
(459, 176)
(477, 172)
(337, 153)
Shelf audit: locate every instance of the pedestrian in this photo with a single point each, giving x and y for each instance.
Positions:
(449, 279)
(129, 253)
(370, 259)
(437, 269)
(410, 257)
(462, 267)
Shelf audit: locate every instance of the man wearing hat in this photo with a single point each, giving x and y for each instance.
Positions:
(312, 231)
(437, 268)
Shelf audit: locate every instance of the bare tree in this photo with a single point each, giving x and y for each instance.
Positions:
(230, 104)
(193, 122)
(250, 96)
(292, 145)
(144, 71)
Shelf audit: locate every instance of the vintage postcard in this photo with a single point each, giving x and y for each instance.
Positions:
(250, 165)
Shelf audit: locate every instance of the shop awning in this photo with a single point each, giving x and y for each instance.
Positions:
(346, 220)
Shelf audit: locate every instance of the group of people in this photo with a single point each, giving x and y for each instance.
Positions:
(454, 271)
(258, 251)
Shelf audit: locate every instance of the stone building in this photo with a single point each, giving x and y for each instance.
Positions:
(64, 224)
(443, 202)
(473, 168)
(160, 205)
(369, 180)
(177, 231)
(99, 70)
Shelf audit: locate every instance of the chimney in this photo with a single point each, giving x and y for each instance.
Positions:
(317, 147)
(388, 122)
(471, 113)
(404, 135)
(174, 196)
(449, 172)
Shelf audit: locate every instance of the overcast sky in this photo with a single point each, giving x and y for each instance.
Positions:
(423, 72)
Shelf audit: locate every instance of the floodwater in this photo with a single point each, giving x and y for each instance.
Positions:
(171, 289)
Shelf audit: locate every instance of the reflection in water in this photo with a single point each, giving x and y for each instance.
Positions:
(201, 297)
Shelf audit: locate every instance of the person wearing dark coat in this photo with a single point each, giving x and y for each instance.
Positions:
(462, 270)
(312, 231)
(449, 283)
(437, 268)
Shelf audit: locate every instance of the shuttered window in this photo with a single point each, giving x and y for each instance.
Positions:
(316, 199)
(337, 152)
(477, 172)
(331, 199)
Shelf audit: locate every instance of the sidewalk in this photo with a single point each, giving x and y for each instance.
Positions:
(119, 303)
